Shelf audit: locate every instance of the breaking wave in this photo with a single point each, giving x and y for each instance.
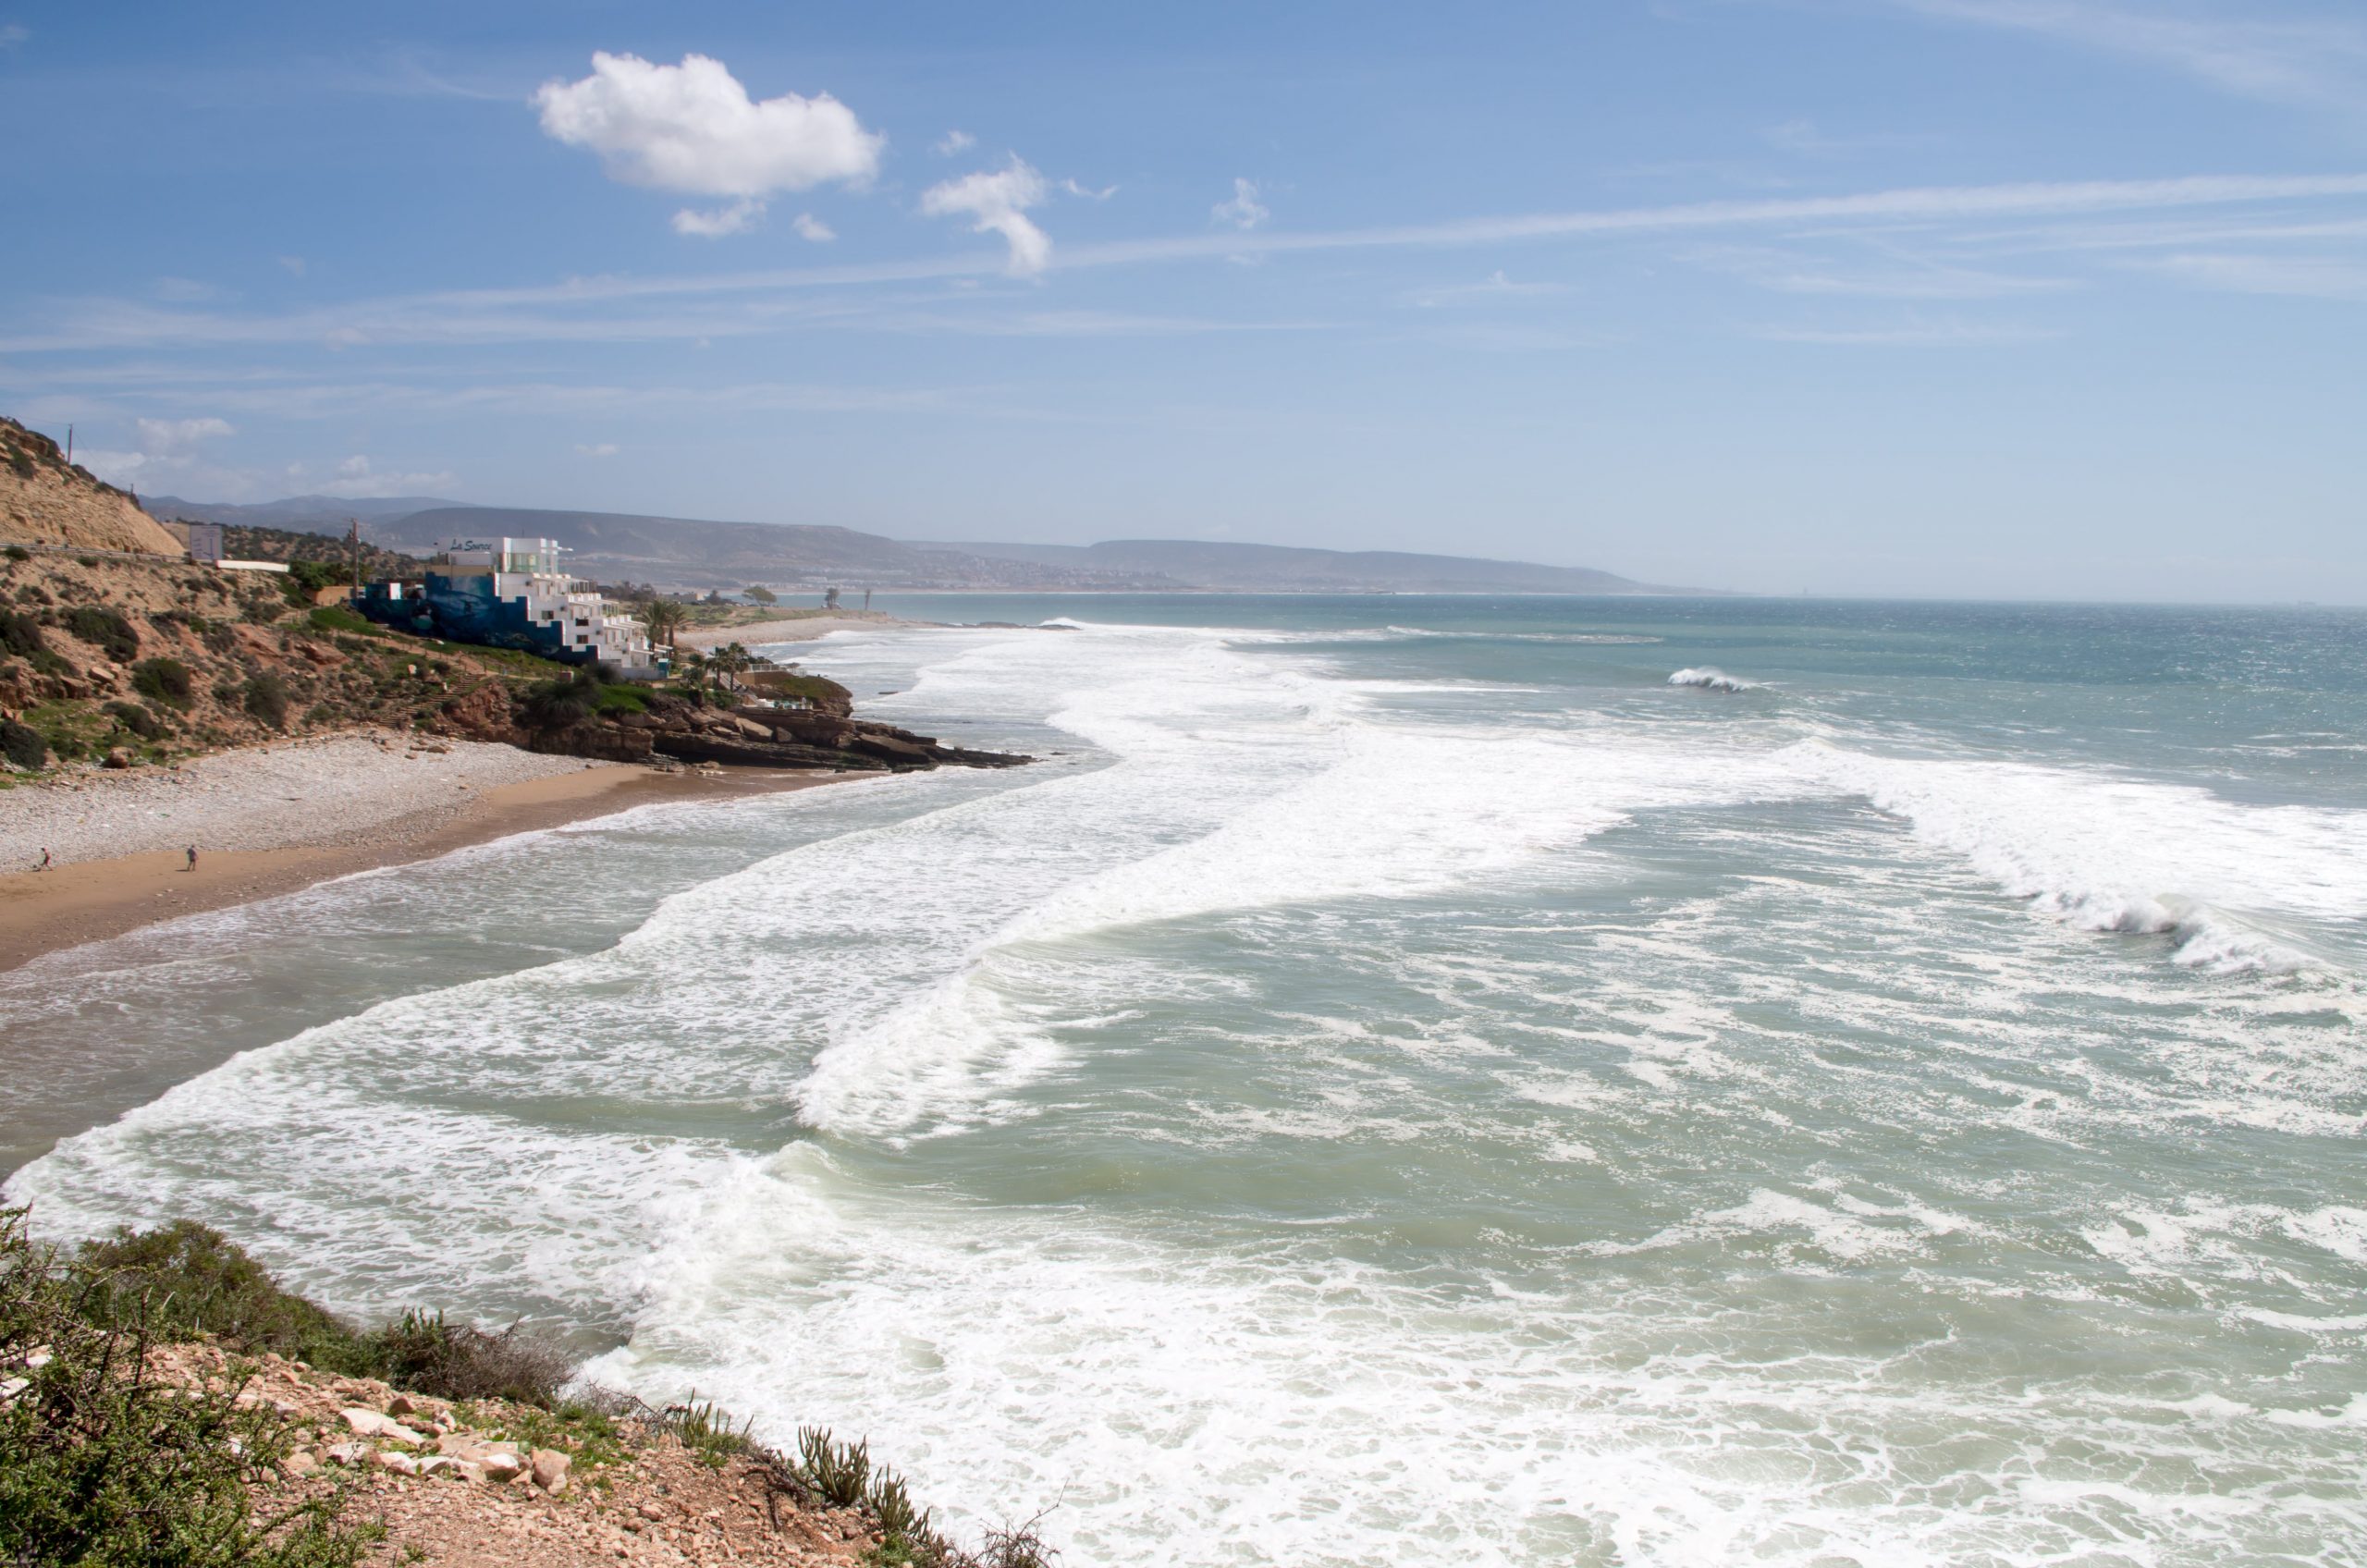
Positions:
(1712, 680)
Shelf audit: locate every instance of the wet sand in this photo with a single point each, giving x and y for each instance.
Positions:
(89, 900)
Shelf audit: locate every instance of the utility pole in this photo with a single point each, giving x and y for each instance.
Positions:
(69, 446)
(353, 543)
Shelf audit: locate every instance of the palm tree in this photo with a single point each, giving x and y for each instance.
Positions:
(662, 618)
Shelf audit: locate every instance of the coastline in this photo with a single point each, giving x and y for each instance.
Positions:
(94, 898)
(795, 629)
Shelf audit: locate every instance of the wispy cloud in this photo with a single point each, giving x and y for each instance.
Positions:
(1913, 334)
(1898, 277)
(953, 142)
(2319, 61)
(717, 303)
(2309, 278)
(810, 227)
(1496, 289)
(14, 34)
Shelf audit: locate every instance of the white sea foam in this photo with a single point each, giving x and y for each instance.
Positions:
(1303, 1126)
(1712, 680)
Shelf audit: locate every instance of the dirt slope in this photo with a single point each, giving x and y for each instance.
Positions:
(45, 501)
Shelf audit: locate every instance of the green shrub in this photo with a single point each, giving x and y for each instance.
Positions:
(190, 1280)
(20, 634)
(22, 461)
(563, 704)
(164, 681)
(337, 617)
(23, 745)
(264, 696)
(103, 1464)
(139, 720)
(305, 578)
(18, 552)
(420, 1350)
(89, 563)
(105, 630)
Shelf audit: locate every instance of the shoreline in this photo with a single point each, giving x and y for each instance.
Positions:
(89, 901)
(794, 629)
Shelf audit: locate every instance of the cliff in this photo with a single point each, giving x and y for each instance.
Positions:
(46, 500)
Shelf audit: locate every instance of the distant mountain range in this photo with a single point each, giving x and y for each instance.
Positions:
(1284, 569)
(692, 553)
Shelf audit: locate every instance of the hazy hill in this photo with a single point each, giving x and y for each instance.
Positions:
(305, 514)
(46, 500)
(1283, 569)
(690, 552)
(686, 550)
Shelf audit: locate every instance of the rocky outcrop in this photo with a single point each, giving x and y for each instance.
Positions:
(757, 736)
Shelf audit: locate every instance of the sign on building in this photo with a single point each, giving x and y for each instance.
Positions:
(206, 541)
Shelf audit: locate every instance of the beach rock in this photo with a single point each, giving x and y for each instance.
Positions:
(400, 1464)
(370, 1424)
(888, 748)
(347, 1454)
(550, 1470)
(301, 1463)
(120, 757)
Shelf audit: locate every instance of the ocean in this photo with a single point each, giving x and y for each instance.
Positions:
(1401, 1081)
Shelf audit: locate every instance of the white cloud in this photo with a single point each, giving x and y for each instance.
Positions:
(12, 34)
(714, 223)
(1243, 211)
(998, 203)
(953, 142)
(295, 264)
(165, 445)
(1073, 189)
(356, 477)
(808, 226)
(172, 440)
(693, 128)
(598, 450)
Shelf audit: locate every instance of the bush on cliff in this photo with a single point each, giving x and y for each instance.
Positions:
(23, 745)
(264, 696)
(105, 630)
(190, 1280)
(163, 681)
(420, 1350)
(102, 1462)
(560, 705)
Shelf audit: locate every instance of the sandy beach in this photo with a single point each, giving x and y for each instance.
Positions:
(270, 819)
(798, 629)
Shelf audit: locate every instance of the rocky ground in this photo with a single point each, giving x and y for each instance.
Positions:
(488, 1483)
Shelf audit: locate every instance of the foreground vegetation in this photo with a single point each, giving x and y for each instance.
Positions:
(104, 1462)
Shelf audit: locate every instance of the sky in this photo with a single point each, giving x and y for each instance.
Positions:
(2054, 299)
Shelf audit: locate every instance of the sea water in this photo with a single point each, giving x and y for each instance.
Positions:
(1399, 1081)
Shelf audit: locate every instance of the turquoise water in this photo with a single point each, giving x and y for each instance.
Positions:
(1401, 1081)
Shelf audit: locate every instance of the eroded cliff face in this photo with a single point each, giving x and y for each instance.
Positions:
(44, 500)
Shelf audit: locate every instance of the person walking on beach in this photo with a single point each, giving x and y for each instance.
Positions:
(193, 857)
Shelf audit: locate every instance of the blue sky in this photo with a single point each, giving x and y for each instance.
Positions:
(1992, 297)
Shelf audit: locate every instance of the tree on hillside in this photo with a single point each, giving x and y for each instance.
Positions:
(763, 595)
